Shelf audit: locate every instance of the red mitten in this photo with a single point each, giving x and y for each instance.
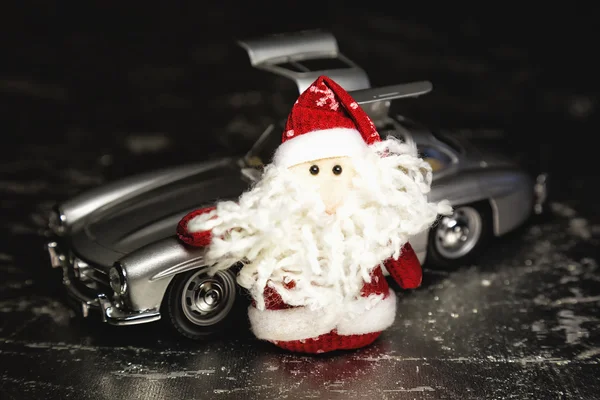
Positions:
(197, 239)
(406, 270)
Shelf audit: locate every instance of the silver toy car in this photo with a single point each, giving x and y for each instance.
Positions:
(117, 247)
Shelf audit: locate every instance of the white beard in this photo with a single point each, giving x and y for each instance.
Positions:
(281, 232)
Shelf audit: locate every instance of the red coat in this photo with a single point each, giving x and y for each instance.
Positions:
(406, 271)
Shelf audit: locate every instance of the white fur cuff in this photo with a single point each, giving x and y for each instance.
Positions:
(291, 323)
(356, 318)
(376, 319)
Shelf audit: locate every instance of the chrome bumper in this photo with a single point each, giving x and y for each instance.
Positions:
(112, 312)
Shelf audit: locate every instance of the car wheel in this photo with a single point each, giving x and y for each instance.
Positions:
(458, 239)
(199, 305)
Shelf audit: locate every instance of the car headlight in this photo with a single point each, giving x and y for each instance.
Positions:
(117, 279)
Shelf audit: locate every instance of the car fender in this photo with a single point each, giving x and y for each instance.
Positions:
(149, 270)
(462, 187)
(511, 195)
(72, 214)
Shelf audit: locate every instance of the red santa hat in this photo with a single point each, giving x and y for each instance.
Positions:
(325, 122)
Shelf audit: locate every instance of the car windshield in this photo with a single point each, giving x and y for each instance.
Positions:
(262, 151)
(435, 157)
(448, 141)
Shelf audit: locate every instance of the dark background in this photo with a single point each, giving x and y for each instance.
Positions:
(90, 93)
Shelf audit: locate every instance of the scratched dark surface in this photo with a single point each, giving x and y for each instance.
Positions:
(119, 94)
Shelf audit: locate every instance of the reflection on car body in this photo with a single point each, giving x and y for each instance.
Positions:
(116, 243)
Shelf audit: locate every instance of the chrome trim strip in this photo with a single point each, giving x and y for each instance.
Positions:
(176, 269)
(495, 217)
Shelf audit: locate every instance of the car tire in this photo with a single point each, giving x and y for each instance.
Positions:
(458, 239)
(200, 306)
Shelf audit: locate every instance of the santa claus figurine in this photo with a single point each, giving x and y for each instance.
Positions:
(336, 205)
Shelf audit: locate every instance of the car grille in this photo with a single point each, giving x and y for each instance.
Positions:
(88, 275)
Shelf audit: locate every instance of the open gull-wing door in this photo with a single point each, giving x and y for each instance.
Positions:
(303, 57)
(376, 101)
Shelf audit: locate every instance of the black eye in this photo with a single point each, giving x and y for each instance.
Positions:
(337, 169)
(314, 169)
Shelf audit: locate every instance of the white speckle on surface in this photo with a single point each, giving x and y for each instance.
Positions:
(60, 346)
(580, 106)
(81, 178)
(454, 315)
(153, 375)
(11, 269)
(594, 351)
(13, 285)
(567, 279)
(571, 324)
(541, 300)
(580, 227)
(33, 89)
(20, 229)
(271, 367)
(438, 339)
(576, 300)
(243, 389)
(148, 143)
(485, 282)
(539, 328)
(106, 160)
(562, 210)
(23, 188)
(39, 307)
(415, 389)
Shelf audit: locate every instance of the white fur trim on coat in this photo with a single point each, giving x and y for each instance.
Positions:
(291, 323)
(364, 315)
(316, 145)
(378, 318)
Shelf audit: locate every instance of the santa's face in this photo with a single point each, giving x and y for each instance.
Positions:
(330, 177)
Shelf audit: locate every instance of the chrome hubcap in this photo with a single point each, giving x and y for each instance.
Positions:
(457, 234)
(206, 300)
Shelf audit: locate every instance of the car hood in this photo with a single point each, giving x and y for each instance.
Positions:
(154, 215)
